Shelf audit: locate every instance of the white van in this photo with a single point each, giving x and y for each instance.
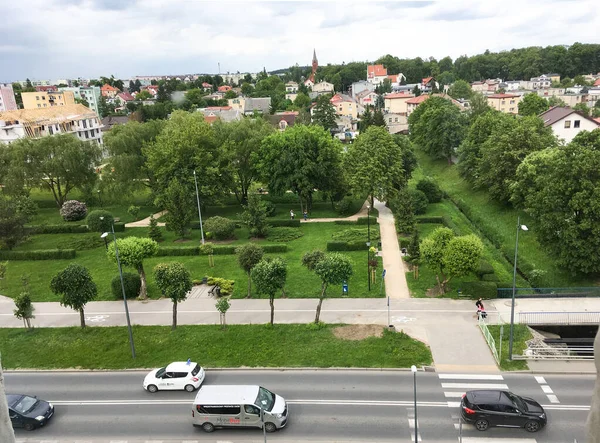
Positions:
(239, 407)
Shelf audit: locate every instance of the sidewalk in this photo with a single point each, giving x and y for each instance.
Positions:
(145, 222)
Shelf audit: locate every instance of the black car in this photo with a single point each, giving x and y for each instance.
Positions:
(485, 408)
(28, 412)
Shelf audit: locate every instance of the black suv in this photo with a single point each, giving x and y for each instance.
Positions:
(487, 408)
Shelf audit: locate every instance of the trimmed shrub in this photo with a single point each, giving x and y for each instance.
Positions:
(484, 268)
(73, 210)
(431, 219)
(346, 246)
(284, 234)
(225, 285)
(419, 201)
(270, 208)
(39, 254)
(119, 227)
(489, 277)
(56, 229)
(174, 251)
(81, 242)
(285, 223)
(345, 206)
(96, 225)
(366, 221)
(222, 228)
(431, 189)
(355, 235)
(476, 289)
(131, 282)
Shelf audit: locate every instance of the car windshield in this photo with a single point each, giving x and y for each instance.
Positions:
(518, 401)
(265, 399)
(25, 405)
(196, 370)
(160, 372)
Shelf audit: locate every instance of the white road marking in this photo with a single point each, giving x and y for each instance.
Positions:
(547, 389)
(474, 386)
(465, 427)
(453, 404)
(453, 394)
(497, 440)
(553, 398)
(540, 380)
(470, 377)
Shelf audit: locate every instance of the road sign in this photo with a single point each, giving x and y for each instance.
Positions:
(345, 288)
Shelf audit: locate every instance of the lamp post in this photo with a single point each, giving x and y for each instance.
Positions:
(514, 289)
(198, 201)
(99, 197)
(368, 246)
(104, 235)
(413, 369)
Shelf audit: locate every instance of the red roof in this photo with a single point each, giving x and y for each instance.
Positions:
(426, 80)
(46, 88)
(210, 118)
(126, 96)
(206, 85)
(219, 108)
(154, 87)
(376, 71)
(224, 88)
(418, 100)
(393, 78)
(398, 95)
(597, 82)
(108, 87)
(502, 96)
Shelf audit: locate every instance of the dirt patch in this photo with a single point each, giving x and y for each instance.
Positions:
(358, 332)
(433, 292)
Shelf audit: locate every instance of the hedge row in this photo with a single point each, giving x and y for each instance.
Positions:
(346, 246)
(165, 251)
(430, 219)
(484, 289)
(284, 223)
(365, 220)
(65, 229)
(40, 254)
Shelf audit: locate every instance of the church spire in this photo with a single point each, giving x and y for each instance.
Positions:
(315, 57)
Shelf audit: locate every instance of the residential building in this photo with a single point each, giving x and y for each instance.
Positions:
(396, 123)
(207, 87)
(7, 98)
(123, 98)
(507, 103)
(35, 100)
(345, 106)
(46, 88)
(376, 74)
(35, 83)
(323, 87)
(554, 78)
(366, 98)
(396, 79)
(224, 113)
(40, 122)
(224, 88)
(597, 83)
(413, 103)
(113, 120)
(396, 103)
(90, 94)
(109, 91)
(567, 123)
(428, 83)
(573, 99)
(291, 87)
(551, 92)
(543, 81)
(512, 85)
(360, 86)
(248, 106)
(153, 89)
(283, 120)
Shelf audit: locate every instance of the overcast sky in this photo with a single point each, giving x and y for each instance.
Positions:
(55, 39)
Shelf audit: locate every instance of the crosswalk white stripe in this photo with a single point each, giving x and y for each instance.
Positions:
(453, 394)
(474, 386)
(453, 404)
(547, 389)
(553, 398)
(497, 440)
(412, 436)
(471, 377)
(540, 380)
(465, 427)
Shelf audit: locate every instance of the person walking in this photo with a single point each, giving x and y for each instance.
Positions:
(292, 214)
(479, 304)
(480, 309)
(305, 215)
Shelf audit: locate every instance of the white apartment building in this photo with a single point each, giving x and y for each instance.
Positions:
(90, 94)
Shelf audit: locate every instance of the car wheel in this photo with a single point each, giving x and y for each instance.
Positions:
(482, 425)
(152, 389)
(189, 388)
(270, 427)
(532, 426)
(29, 426)
(208, 427)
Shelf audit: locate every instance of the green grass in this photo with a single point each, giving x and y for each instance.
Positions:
(290, 345)
(521, 334)
(500, 219)
(301, 283)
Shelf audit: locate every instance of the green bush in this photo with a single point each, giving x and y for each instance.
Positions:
(490, 277)
(419, 201)
(73, 210)
(345, 206)
(484, 268)
(284, 234)
(39, 254)
(134, 211)
(273, 249)
(355, 235)
(96, 225)
(81, 242)
(270, 208)
(285, 223)
(225, 285)
(222, 228)
(131, 283)
(346, 246)
(56, 229)
(173, 251)
(431, 189)
(437, 219)
(366, 221)
(476, 289)
(119, 227)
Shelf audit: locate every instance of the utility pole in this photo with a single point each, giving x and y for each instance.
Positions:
(7, 435)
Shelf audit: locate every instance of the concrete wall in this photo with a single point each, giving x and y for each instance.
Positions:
(593, 422)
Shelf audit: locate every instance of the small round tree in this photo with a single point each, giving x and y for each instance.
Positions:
(132, 252)
(131, 282)
(332, 270)
(174, 281)
(73, 210)
(75, 286)
(222, 228)
(100, 220)
(269, 276)
(248, 256)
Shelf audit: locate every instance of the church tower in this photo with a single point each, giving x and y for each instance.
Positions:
(315, 65)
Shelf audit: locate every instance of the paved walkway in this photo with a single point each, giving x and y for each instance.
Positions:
(146, 221)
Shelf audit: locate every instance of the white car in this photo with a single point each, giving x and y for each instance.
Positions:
(178, 375)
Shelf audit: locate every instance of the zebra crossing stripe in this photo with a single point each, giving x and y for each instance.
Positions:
(453, 394)
(497, 440)
(540, 380)
(471, 377)
(467, 386)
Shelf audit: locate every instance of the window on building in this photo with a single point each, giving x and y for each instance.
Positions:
(567, 124)
(84, 123)
(37, 97)
(511, 109)
(39, 106)
(503, 102)
(396, 120)
(576, 123)
(87, 134)
(512, 102)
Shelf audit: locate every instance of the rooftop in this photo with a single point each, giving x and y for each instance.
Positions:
(398, 95)
(557, 113)
(502, 96)
(54, 113)
(229, 394)
(376, 71)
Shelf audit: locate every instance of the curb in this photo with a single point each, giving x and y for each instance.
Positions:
(283, 369)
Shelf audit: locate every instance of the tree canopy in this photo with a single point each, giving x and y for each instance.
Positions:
(324, 113)
(132, 252)
(269, 277)
(532, 104)
(174, 282)
(75, 286)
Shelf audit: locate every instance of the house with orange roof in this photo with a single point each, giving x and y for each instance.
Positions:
(224, 88)
(376, 74)
(346, 106)
(207, 87)
(413, 103)
(396, 103)
(366, 98)
(109, 91)
(396, 79)
(428, 83)
(507, 103)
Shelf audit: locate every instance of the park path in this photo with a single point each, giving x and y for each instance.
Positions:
(144, 223)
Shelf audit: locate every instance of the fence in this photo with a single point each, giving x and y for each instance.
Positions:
(489, 339)
(541, 352)
(559, 318)
(549, 292)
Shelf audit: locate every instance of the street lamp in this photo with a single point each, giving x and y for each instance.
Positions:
(413, 369)
(198, 201)
(104, 235)
(99, 197)
(369, 245)
(514, 289)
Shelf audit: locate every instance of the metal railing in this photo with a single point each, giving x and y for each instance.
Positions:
(540, 352)
(559, 318)
(489, 339)
(549, 292)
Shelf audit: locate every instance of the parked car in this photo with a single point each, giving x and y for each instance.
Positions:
(177, 375)
(485, 408)
(28, 412)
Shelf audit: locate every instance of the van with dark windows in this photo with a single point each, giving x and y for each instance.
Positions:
(246, 406)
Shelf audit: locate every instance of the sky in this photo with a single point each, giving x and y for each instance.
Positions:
(57, 39)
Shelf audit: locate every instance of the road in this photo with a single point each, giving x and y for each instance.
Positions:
(325, 406)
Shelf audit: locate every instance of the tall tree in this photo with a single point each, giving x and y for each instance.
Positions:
(373, 164)
(460, 89)
(255, 216)
(378, 119)
(180, 205)
(248, 256)
(132, 252)
(59, 163)
(366, 119)
(12, 223)
(324, 113)
(75, 286)
(174, 282)
(478, 105)
(301, 159)
(333, 269)
(532, 104)
(269, 277)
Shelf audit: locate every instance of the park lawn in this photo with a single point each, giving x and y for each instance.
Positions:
(500, 219)
(300, 283)
(521, 334)
(51, 216)
(283, 345)
(418, 287)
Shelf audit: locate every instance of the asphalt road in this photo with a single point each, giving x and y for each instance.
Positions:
(324, 406)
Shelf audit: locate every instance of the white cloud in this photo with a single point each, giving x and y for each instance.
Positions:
(69, 38)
